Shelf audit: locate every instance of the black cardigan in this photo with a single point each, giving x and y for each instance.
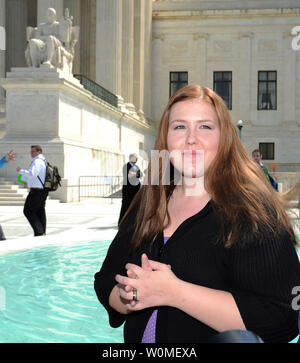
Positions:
(260, 275)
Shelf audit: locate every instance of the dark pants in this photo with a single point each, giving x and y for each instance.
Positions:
(34, 210)
(2, 236)
(127, 197)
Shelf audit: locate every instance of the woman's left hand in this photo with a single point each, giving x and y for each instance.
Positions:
(154, 281)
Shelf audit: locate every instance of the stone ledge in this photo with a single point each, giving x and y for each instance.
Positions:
(183, 14)
(44, 72)
(17, 83)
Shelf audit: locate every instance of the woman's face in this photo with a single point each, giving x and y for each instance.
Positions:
(194, 135)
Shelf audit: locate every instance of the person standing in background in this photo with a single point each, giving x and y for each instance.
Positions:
(257, 157)
(10, 156)
(131, 183)
(34, 208)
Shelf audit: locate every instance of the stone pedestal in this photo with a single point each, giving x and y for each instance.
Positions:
(34, 100)
(35, 115)
(79, 133)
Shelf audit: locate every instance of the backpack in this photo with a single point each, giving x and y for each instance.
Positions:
(273, 182)
(52, 180)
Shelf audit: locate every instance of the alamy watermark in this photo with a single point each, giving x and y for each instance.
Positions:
(296, 39)
(2, 38)
(188, 166)
(2, 298)
(296, 300)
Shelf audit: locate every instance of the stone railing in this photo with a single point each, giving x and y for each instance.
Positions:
(287, 179)
(97, 90)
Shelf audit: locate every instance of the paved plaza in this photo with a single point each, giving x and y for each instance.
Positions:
(89, 220)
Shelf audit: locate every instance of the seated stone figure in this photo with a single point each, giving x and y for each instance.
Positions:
(52, 43)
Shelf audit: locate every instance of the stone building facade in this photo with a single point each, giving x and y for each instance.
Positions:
(79, 132)
(114, 48)
(142, 50)
(248, 41)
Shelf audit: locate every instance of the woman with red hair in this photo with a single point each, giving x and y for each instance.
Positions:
(211, 251)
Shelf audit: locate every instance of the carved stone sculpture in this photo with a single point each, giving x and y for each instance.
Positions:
(52, 43)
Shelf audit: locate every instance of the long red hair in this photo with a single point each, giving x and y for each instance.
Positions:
(237, 186)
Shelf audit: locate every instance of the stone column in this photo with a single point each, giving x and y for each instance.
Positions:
(74, 7)
(287, 81)
(32, 6)
(109, 45)
(16, 22)
(128, 53)
(2, 50)
(88, 38)
(158, 70)
(139, 56)
(201, 71)
(247, 83)
(148, 54)
(43, 5)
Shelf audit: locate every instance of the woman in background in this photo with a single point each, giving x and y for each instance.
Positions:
(213, 253)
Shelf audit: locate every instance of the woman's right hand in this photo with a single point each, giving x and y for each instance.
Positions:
(118, 298)
(123, 290)
(147, 267)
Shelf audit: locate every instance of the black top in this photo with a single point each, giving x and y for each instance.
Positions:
(260, 275)
(131, 185)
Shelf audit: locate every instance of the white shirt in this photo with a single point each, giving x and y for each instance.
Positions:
(37, 168)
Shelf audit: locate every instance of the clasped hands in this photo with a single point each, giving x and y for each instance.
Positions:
(154, 281)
